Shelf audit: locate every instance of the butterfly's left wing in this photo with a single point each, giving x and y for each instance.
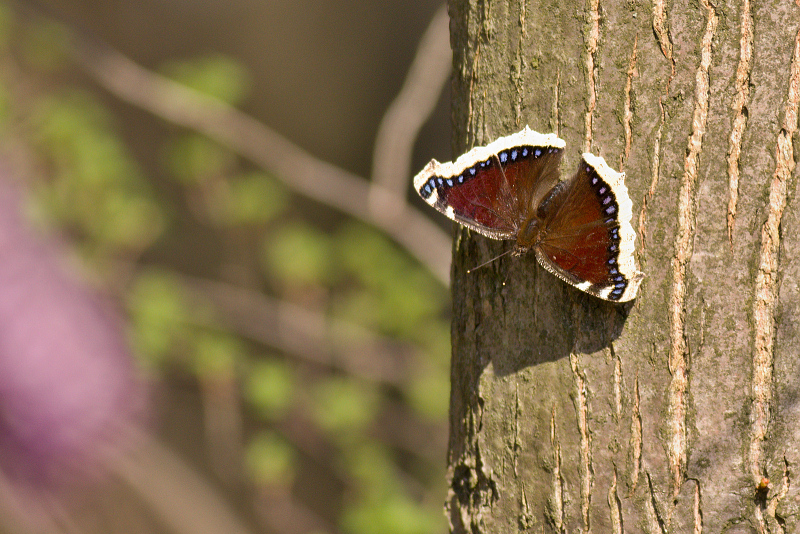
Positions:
(492, 189)
(588, 239)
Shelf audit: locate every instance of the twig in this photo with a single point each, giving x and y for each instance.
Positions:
(394, 142)
(305, 333)
(171, 488)
(251, 139)
(187, 503)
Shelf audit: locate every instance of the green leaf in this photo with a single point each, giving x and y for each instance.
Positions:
(396, 296)
(343, 406)
(270, 387)
(216, 75)
(253, 198)
(194, 159)
(380, 505)
(395, 514)
(217, 354)
(371, 464)
(298, 254)
(127, 220)
(97, 187)
(270, 459)
(159, 315)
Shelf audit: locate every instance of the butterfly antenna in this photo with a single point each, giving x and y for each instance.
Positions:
(484, 264)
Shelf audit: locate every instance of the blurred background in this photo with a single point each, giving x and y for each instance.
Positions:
(222, 307)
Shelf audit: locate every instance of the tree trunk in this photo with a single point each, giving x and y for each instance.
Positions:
(572, 414)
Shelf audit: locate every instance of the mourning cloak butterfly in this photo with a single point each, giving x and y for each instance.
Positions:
(579, 228)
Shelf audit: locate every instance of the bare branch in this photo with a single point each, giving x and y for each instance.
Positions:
(304, 173)
(394, 142)
(170, 488)
(305, 333)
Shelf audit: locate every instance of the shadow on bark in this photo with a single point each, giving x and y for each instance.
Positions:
(511, 286)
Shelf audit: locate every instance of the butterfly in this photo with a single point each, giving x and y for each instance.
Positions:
(510, 189)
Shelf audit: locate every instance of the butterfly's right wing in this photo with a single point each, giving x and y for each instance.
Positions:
(588, 239)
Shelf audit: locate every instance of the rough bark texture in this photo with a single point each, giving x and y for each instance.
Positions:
(571, 414)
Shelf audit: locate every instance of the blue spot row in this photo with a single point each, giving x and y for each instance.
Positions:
(620, 283)
(603, 192)
(613, 234)
(514, 154)
(619, 289)
(618, 279)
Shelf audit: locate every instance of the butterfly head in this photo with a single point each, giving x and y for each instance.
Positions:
(528, 235)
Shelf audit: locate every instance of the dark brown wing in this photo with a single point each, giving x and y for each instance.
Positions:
(587, 238)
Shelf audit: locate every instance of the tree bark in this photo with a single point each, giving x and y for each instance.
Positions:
(572, 414)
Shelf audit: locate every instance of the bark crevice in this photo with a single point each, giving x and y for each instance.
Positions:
(739, 106)
(766, 283)
(687, 206)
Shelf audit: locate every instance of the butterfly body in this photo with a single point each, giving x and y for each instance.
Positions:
(578, 228)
